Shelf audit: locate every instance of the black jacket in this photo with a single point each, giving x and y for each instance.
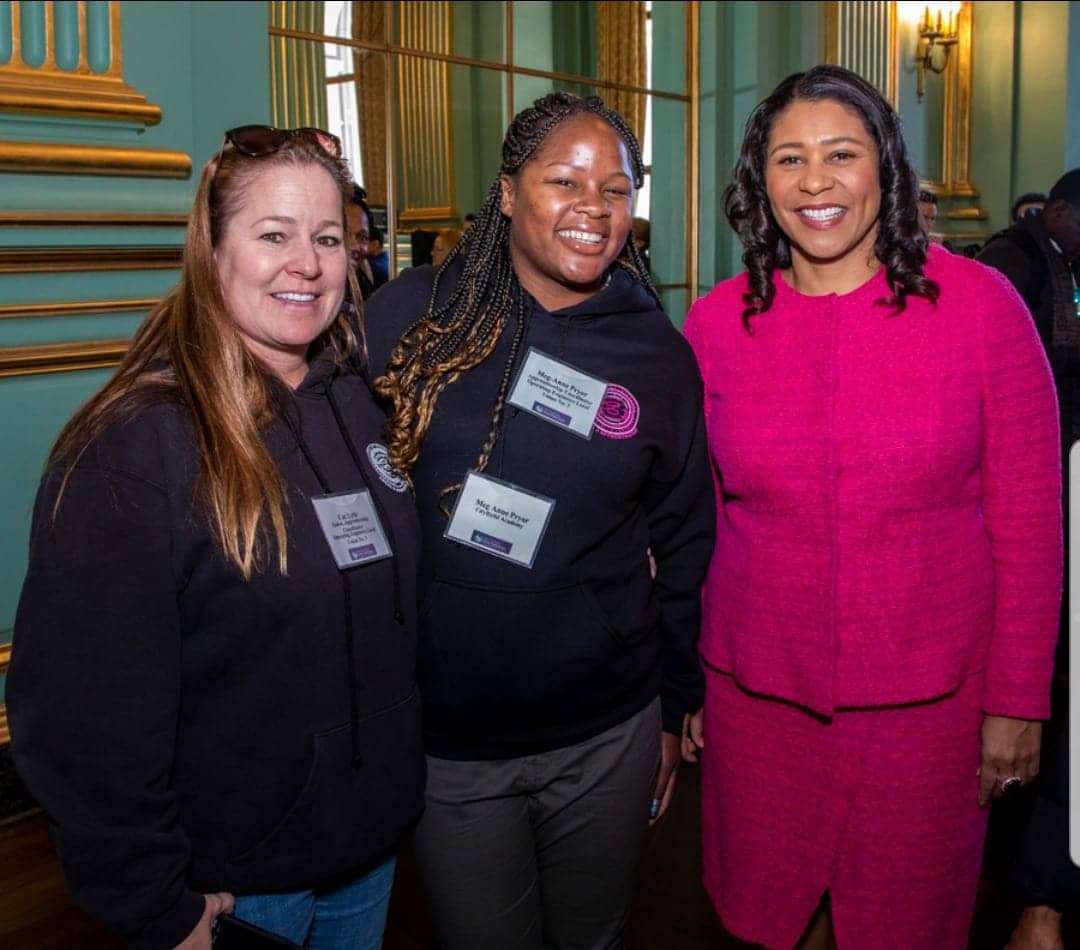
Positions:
(1040, 274)
(188, 731)
(515, 661)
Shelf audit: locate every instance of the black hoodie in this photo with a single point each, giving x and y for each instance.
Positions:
(514, 660)
(188, 731)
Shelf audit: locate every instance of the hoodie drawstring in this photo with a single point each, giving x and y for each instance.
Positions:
(399, 616)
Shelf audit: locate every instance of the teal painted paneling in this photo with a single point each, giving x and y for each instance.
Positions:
(99, 49)
(993, 90)
(230, 72)
(54, 398)
(533, 27)
(206, 65)
(1040, 119)
(478, 117)
(746, 50)
(32, 29)
(1025, 128)
(94, 285)
(5, 31)
(669, 47)
(66, 24)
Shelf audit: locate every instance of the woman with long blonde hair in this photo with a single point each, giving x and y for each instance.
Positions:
(212, 690)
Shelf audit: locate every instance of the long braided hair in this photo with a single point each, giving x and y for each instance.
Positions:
(901, 245)
(457, 335)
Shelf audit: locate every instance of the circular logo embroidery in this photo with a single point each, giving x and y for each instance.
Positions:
(618, 415)
(380, 461)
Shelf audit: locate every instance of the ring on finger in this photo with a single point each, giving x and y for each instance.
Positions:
(1010, 783)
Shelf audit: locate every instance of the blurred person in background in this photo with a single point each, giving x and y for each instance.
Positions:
(1031, 202)
(445, 241)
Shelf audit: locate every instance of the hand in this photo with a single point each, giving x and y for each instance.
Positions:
(693, 736)
(200, 938)
(1009, 747)
(1039, 929)
(665, 780)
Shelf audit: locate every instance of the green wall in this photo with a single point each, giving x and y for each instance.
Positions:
(206, 65)
(1025, 99)
(746, 49)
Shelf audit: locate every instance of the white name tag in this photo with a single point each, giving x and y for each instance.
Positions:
(499, 519)
(351, 526)
(558, 393)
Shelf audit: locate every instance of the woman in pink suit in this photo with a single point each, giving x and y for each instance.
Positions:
(881, 609)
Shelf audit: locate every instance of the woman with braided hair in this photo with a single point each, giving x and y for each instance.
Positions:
(549, 418)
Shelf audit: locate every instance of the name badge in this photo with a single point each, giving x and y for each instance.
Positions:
(558, 393)
(351, 527)
(499, 519)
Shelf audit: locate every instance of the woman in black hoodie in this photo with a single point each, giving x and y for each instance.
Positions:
(550, 418)
(212, 687)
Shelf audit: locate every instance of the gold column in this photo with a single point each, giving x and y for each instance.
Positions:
(620, 35)
(423, 89)
(860, 35)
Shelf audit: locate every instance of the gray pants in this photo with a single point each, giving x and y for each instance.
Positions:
(539, 852)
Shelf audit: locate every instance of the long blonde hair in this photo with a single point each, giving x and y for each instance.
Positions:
(189, 347)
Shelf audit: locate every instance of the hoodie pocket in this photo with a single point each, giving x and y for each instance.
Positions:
(343, 815)
(518, 652)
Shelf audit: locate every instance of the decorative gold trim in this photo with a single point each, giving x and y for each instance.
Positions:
(55, 260)
(61, 159)
(167, 219)
(427, 214)
(479, 63)
(80, 93)
(5, 729)
(60, 357)
(5, 657)
(966, 214)
(14, 311)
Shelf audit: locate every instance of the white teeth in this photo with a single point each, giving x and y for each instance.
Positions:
(296, 298)
(821, 214)
(584, 236)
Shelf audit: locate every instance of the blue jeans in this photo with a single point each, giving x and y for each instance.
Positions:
(350, 916)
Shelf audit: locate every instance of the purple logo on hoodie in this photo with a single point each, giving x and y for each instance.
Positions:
(618, 415)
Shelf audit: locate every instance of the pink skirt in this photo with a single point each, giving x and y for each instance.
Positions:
(879, 807)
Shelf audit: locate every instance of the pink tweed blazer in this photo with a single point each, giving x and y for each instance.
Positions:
(889, 494)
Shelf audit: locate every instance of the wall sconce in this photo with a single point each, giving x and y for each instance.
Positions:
(938, 28)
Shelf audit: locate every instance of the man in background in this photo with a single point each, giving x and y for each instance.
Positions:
(1030, 203)
(927, 210)
(359, 221)
(1040, 255)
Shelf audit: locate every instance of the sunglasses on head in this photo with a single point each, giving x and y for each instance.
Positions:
(256, 141)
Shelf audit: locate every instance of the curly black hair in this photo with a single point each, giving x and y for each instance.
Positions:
(901, 245)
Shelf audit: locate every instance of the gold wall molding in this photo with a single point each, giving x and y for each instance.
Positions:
(5, 657)
(76, 308)
(60, 357)
(861, 35)
(64, 159)
(75, 88)
(36, 260)
(426, 147)
(35, 218)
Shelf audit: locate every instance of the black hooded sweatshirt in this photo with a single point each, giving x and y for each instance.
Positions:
(188, 731)
(513, 660)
